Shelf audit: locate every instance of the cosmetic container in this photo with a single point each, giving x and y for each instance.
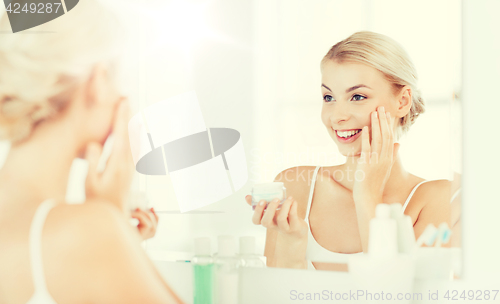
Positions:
(428, 236)
(383, 267)
(268, 192)
(247, 255)
(382, 241)
(405, 234)
(226, 271)
(203, 268)
(444, 234)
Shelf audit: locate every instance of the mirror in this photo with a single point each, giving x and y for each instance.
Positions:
(255, 66)
(296, 38)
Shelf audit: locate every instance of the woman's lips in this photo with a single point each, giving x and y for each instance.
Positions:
(347, 140)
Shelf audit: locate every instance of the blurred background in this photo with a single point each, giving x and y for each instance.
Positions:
(254, 65)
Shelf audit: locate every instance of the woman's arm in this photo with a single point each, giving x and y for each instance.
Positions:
(282, 252)
(436, 209)
(375, 162)
(286, 248)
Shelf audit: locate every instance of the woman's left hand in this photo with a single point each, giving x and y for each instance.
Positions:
(148, 221)
(376, 159)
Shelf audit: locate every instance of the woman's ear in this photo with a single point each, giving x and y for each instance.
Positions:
(404, 101)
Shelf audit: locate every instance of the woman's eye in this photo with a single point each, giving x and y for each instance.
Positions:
(328, 98)
(356, 97)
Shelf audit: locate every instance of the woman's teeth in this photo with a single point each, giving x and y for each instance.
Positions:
(346, 134)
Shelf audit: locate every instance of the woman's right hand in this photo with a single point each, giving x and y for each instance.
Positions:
(285, 220)
(113, 183)
(148, 222)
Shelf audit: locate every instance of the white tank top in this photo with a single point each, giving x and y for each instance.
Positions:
(317, 253)
(41, 294)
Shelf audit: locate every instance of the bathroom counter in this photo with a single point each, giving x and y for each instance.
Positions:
(278, 285)
(259, 285)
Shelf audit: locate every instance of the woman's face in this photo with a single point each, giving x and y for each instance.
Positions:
(351, 92)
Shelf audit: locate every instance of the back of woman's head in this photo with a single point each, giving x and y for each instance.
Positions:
(41, 68)
(387, 56)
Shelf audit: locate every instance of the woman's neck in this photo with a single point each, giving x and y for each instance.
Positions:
(397, 177)
(38, 168)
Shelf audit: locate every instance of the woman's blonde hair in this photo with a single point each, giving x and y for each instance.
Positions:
(388, 56)
(41, 68)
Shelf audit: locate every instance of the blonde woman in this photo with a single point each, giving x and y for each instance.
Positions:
(59, 100)
(370, 99)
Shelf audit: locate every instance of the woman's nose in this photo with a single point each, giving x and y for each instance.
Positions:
(339, 114)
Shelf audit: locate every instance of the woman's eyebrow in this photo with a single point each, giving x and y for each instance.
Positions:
(350, 89)
(357, 87)
(326, 87)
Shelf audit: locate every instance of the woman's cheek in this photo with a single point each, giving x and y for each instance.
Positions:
(325, 120)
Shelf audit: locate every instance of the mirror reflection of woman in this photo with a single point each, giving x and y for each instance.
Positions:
(370, 99)
(59, 100)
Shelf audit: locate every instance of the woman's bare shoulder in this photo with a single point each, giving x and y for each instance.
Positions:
(435, 193)
(98, 253)
(296, 177)
(89, 227)
(439, 186)
(93, 224)
(295, 174)
(433, 201)
(95, 244)
(447, 187)
(82, 219)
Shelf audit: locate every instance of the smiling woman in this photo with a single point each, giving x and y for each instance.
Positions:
(379, 61)
(370, 99)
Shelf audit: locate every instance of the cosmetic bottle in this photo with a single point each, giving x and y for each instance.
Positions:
(203, 267)
(382, 241)
(247, 253)
(226, 271)
(383, 267)
(405, 234)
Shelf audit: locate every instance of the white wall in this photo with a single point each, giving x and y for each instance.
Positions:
(481, 203)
